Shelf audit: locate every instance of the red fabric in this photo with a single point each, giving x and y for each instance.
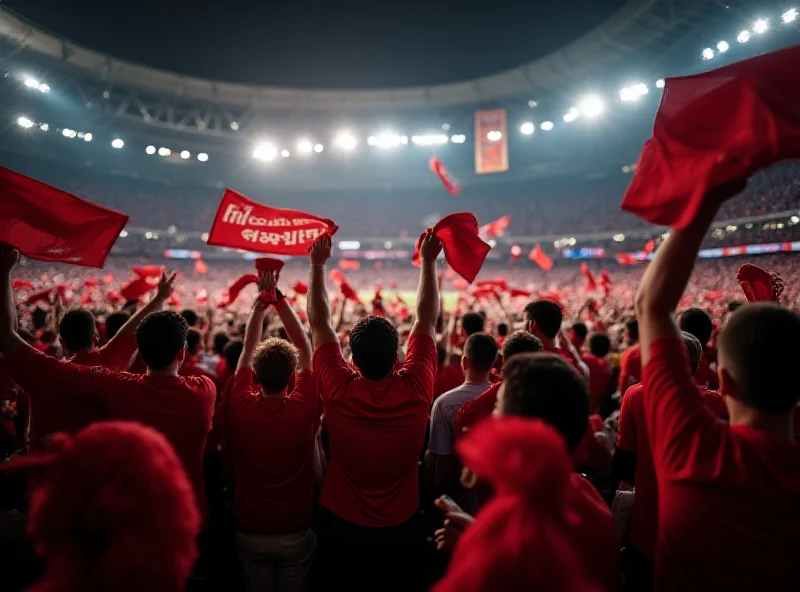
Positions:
(269, 264)
(300, 288)
(591, 284)
(180, 408)
(19, 284)
(241, 223)
(759, 285)
(496, 228)
(200, 266)
(348, 265)
(499, 284)
(463, 248)
(359, 413)
(626, 259)
(448, 377)
(238, 286)
(714, 128)
(90, 282)
(540, 258)
(147, 271)
(599, 375)
(337, 276)
(135, 289)
(41, 296)
(116, 354)
(733, 489)
(544, 529)
(274, 492)
(460, 284)
(475, 411)
(48, 224)
(349, 293)
(630, 368)
(450, 183)
(712, 295)
(108, 279)
(515, 293)
(486, 293)
(650, 246)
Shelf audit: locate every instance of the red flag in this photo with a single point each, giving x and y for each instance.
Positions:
(463, 248)
(241, 223)
(496, 228)
(538, 256)
(759, 285)
(450, 183)
(135, 289)
(460, 284)
(336, 276)
(48, 224)
(147, 271)
(590, 283)
(237, 286)
(713, 295)
(173, 301)
(200, 266)
(19, 284)
(501, 284)
(515, 293)
(716, 128)
(626, 259)
(650, 246)
(43, 295)
(107, 279)
(489, 292)
(349, 293)
(114, 297)
(348, 265)
(300, 288)
(269, 264)
(516, 253)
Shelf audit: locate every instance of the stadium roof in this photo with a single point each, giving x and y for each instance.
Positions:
(639, 27)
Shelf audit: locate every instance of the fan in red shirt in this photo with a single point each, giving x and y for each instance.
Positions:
(192, 364)
(77, 332)
(599, 368)
(178, 407)
(546, 387)
(267, 424)
(727, 509)
(543, 318)
(376, 421)
(630, 363)
(697, 322)
(577, 335)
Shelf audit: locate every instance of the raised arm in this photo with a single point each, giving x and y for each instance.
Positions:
(296, 332)
(165, 288)
(319, 306)
(10, 341)
(255, 324)
(428, 291)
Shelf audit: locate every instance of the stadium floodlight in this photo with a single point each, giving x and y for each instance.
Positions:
(235, 125)
(68, 133)
(150, 149)
(708, 53)
(446, 127)
(527, 128)
(285, 153)
(43, 88)
(123, 233)
(117, 143)
(31, 82)
(349, 245)
(761, 26)
(304, 146)
(723, 46)
(265, 152)
(318, 148)
(641, 89)
(789, 16)
(430, 139)
(164, 151)
(660, 83)
(571, 115)
(202, 157)
(547, 125)
(386, 140)
(185, 154)
(24, 122)
(44, 127)
(494, 135)
(458, 139)
(346, 141)
(619, 238)
(87, 137)
(592, 106)
(743, 37)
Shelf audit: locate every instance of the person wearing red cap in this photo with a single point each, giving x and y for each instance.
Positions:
(727, 493)
(269, 408)
(179, 407)
(376, 419)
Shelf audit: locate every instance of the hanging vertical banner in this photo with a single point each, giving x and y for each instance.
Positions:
(491, 143)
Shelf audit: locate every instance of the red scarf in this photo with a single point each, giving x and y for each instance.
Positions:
(463, 248)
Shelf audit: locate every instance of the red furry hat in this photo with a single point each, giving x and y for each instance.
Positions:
(112, 509)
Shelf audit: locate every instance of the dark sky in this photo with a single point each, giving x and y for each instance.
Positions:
(322, 44)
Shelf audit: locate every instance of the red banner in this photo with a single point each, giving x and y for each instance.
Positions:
(48, 224)
(491, 142)
(450, 183)
(241, 223)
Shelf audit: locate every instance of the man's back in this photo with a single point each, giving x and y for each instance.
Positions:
(377, 430)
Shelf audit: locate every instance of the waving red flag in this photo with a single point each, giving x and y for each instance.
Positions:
(200, 266)
(591, 284)
(147, 271)
(19, 284)
(348, 265)
(496, 228)
(450, 183)
(43, 295)
(515, 293)
(48, 224)
(539, 258)
(463, 248)
(626, 259)
(349, 293)
(241, 223)
(300, 288)
(336, 276)
(107, 279)
(269, 264)
(501, 284)
(716, 128)
(759, 285)
(650, 246)
(239, 285)
(135, 289)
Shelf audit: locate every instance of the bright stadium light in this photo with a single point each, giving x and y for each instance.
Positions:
(304, 146)
(708, 53)
(234, 125)
(202, 157)
(430, 139)
(346, 141)
(494, 135)
(43, 88)
(723, 46)
(743, 37)
(185, 154)
(571, 115)
(660, 83)
(68, 133)
(44, 127)
(285, 153)
(265, 152)
(547, 125)
(24, 122)
(349, 245)
(31, 82)
(592, 106)
(164, 151)
(150, 149)
(458, 139)
(386, 140)
(318, 148)
(789, 16)
(87, 137)
(117, 143)
(527, 128)
(761, 26)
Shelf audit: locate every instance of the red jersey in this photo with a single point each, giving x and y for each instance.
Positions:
(599, 375)
(475, 411)
(115, 354)
(447, 378)
(180, 408)
(630, 368)
(270, 442)
(377, 430)
(728, 511)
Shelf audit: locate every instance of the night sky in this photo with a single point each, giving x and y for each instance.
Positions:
(322, 44)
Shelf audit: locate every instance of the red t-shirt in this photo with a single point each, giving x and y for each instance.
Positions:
(116, 354)
(447, 378)
(630, 368)
(728, 495)
(599, 375)
(475, 411)
(270, 441)
(377, 430)
(178, 407)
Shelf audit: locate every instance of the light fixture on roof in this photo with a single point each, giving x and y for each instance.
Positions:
(760, 26)
(429, 139)
(164, 151)
(708, 53)
(318, 148)
(743, 37)
(592, 106)
(117, 143)
(527, 128)
(265, 152)
(31, 82)
(634, 92)
(285, 153)
(458, 138)
(44, 127)
(547, 125)
(386, 140)
(87, 137)
(24, 122)
(494, 135)
(150, 149)
(43, 88)
(68, 133)
(234, 125)
(789, 16)
(446, 127)
(660, 83)
(202, 157)
(185, 154)
(304, 146)
(571, 115)
(346, 141)
(723, 46)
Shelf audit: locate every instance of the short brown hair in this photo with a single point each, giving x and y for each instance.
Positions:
(481, 351)
(274, 363)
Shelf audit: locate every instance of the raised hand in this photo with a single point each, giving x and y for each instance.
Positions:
(320, 251)
(431, 247)
(166, 285)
